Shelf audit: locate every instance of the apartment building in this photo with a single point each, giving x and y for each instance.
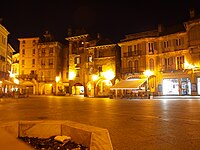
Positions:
(6, 52)
(28, 63)
(15, 65)
(92, 65)
(40, 63)
(49, 68)
(170, 53)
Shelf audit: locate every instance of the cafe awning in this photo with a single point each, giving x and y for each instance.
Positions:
(12, 83)
(128, 84)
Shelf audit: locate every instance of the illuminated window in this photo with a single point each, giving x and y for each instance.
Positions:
(77, 73)
(180, 63)
(90, 59)
(77, 60)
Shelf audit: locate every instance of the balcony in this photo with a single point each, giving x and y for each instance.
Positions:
(4, 75)
(27, 76)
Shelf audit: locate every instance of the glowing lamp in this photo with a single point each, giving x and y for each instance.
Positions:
(16, 81)
(148, 73)
(94, 77)
(109, 75)
(72, 75)
(57, 78)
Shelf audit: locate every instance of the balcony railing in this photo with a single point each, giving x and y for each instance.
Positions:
(4, 75)
(27, 76)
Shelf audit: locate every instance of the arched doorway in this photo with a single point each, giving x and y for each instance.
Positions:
(27, 87)
(102, 88)
(78, 89)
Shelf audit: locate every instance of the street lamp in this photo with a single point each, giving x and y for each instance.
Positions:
(148, 73)
(94, 78)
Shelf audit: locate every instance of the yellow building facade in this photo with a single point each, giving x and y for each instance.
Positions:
(92, 65)
(172, 54)
(6, 52)
(40, 62)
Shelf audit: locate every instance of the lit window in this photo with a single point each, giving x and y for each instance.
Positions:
(180, 62)
(77, 60)
(90, 59)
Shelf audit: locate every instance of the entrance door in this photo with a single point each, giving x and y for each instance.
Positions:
(185, 86)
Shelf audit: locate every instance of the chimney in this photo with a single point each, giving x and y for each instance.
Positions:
(98, 35)
(69, 31)
(192, 13)
(160, 28)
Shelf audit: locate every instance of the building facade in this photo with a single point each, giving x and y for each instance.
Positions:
(40, 65)
(6, 52)
(172, 54)
(92, 65)
(28, 63)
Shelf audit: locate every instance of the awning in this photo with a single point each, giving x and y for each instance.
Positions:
(128, 84)
(9, 82)
(12, 83)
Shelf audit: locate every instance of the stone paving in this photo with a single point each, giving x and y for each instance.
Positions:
(132, 124)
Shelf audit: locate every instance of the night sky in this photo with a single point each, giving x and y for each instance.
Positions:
(112, 19)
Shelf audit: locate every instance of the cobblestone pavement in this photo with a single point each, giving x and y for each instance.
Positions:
(132, 124)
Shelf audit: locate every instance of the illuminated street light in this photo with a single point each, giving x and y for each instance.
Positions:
(72, 75)
(148, 73)
(57, 79)
(109, 75)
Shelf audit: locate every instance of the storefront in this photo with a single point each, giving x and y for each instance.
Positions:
(175, 86)
(198, 86)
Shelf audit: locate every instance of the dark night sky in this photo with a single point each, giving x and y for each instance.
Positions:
(113, 19)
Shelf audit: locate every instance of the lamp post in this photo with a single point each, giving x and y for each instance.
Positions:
(94, 78)
(147, 73)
